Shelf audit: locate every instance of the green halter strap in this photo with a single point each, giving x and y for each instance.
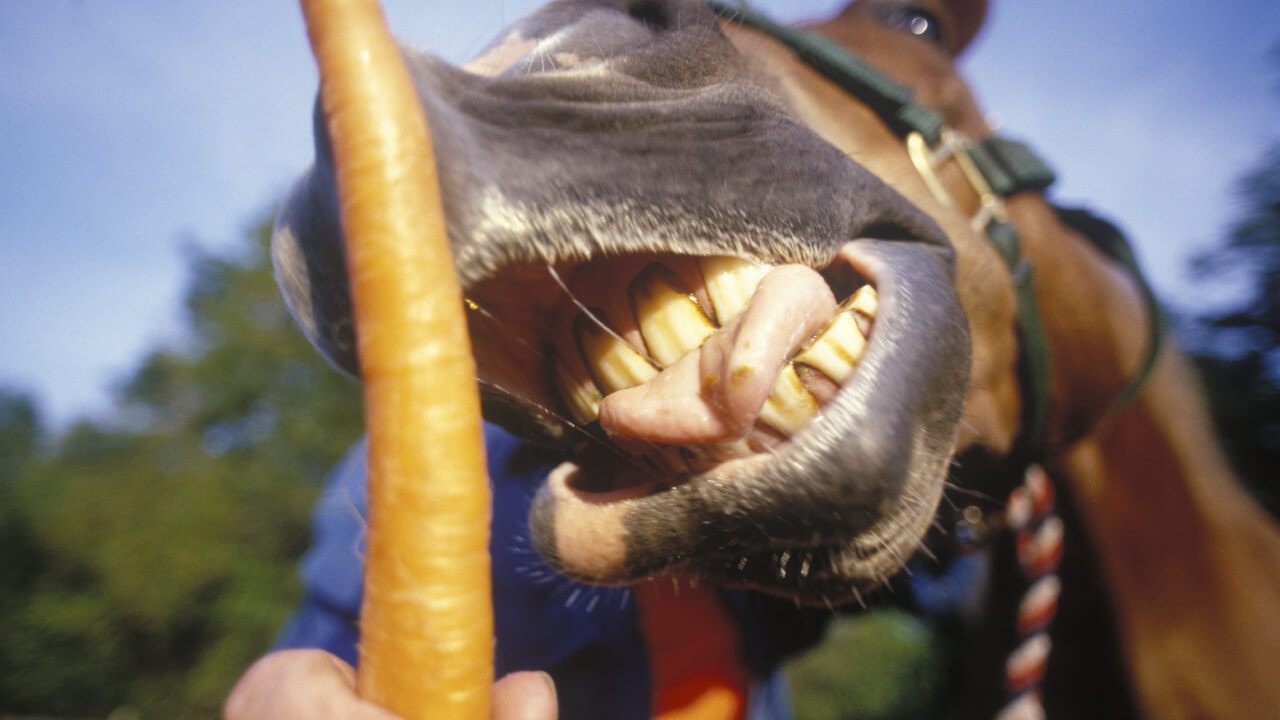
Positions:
(996, 168)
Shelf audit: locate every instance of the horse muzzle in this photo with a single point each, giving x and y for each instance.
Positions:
(748, 347)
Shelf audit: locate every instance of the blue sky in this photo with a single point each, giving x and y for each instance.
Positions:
(131, 130)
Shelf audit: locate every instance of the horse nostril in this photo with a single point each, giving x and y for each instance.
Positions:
(651, 13)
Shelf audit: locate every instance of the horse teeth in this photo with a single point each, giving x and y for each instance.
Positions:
(579, 392)
(790, 405)
(730, 283)
(837, 349)
(863, 304)
(670, 320)
(613, 364)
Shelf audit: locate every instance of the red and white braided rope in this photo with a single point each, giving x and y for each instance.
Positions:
(1037, 531)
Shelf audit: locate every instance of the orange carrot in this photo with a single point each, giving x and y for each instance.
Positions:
(426, 627)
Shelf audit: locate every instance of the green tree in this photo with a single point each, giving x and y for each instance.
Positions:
(152, 556)
(19, 430)
(877, 665)
(1238, 348)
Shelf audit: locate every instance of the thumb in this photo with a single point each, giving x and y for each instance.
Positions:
(525, 696)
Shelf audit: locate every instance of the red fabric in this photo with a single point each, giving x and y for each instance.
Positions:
(695, 655)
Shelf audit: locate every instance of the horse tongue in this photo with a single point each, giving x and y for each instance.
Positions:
(714, 394)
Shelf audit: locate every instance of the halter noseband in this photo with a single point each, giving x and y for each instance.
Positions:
(995, 168)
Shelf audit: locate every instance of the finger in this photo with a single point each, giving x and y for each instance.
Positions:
(299, 685)
(525, 696)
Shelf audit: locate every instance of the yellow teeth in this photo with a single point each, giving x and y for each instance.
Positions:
(789, 406)
(579, 392)
(730, 283)
(671, 321)
(863, 304)
(837, 349)
(614, 364)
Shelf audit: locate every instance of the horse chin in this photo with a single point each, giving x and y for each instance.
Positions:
(817, 503)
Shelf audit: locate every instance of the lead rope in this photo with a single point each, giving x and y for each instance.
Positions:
(1037, 533)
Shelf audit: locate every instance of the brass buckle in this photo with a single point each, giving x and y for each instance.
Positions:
(953, 145)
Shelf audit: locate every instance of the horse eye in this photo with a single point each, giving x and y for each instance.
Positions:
(913, 20)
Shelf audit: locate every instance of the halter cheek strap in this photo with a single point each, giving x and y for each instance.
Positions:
(996, 168)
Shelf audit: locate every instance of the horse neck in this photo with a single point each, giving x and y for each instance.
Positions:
(1191, 561)
(1094, 316)
(1099, 335)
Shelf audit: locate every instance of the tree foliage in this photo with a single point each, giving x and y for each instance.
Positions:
(148, 558)
(880, 665)
(1238, 347)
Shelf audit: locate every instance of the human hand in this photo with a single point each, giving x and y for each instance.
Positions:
(314, 685)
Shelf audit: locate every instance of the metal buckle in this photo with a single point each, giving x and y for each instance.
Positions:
(953, 145)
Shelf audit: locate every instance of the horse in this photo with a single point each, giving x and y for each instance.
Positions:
(781, 299)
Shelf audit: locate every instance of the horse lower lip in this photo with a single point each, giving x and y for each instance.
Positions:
(858, 488)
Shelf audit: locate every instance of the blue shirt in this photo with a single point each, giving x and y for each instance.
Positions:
(588, 638)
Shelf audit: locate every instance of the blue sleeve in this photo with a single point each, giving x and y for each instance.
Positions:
(594, 650)
(588, 638)
(332, 569)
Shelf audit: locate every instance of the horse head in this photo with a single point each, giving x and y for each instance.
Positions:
(760, 314)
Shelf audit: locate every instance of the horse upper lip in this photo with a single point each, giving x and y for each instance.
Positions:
(529, 180)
